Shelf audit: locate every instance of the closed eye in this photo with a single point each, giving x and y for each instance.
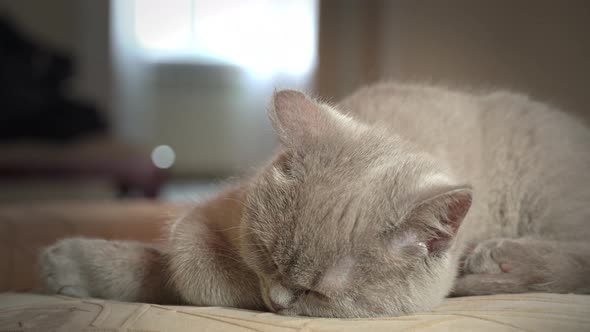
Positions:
(274, 267)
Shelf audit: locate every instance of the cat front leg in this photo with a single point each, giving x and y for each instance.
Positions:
(525, 265)
(207, 269)
(120, 270)
(205, 262)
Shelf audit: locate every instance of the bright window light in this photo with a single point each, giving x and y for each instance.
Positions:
(264, 36)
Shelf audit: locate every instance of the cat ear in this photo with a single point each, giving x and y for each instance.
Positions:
(449, 206)
(296, 118)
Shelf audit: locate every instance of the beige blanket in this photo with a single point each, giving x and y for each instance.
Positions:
(522, 312)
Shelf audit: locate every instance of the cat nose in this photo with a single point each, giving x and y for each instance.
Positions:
(280, 297)
(275, 306)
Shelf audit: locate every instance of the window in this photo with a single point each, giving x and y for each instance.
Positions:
(262, 36)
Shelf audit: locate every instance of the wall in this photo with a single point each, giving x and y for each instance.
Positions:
(539, 47)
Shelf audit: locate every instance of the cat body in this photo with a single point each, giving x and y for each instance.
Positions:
(525, 160)
(380, 205)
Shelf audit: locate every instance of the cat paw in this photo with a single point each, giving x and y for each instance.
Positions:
(503, 266)
(60, 269)
(492, 256)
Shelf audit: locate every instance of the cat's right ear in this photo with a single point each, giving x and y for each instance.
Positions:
(449, 206)
(297, 119)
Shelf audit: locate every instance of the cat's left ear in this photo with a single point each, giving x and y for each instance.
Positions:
(442, 210)
(297, 119)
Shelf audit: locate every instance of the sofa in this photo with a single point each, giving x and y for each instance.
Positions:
(25, 228)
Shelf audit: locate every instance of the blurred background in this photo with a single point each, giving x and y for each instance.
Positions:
(103, 100)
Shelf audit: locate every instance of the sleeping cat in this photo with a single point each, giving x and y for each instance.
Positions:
(381, 205)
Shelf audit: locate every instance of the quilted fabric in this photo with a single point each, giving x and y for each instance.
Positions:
(519, 312)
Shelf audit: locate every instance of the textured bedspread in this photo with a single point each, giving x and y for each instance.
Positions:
(522, 312)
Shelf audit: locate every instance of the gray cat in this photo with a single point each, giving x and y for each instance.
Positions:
(381, 205)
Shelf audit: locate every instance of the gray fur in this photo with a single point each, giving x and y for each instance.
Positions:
(381, 205)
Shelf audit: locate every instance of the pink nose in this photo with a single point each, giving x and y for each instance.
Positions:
(275, 306)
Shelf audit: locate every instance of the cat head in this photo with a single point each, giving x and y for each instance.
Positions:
(349, 220)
